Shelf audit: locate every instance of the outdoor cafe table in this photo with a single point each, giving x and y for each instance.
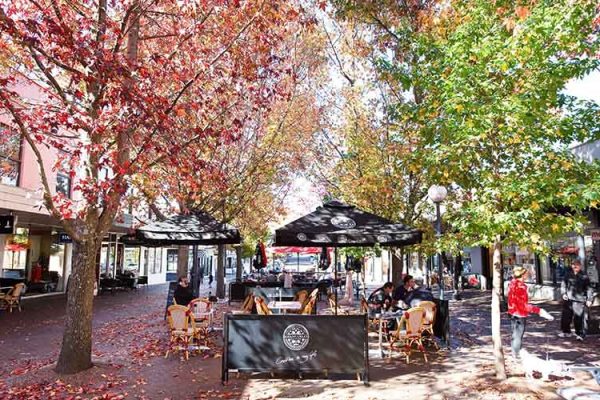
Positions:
(383, 319)
(285, 306)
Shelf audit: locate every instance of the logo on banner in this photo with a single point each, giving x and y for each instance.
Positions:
(343, 222)
(301, 237)
(296, 337)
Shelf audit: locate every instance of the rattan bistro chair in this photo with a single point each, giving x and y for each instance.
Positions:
(409, 332)
(247, 306)
(12, 299)
(182, 329)
(202, 312)
(261, 307)
(430, 309)
(309, 307)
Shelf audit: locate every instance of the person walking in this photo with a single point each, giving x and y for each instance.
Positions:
(210, 280)
(577, 295)
(519, 309)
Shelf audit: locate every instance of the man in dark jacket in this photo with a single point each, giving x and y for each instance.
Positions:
(183, 292)
(403, 290)
(577, 296)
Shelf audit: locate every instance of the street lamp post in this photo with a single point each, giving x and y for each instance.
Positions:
(437, 194)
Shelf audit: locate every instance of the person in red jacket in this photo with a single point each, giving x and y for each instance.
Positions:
(519, 309)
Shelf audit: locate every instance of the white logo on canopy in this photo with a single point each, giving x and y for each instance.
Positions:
(301, 237)
(343, 222)
(296, 337)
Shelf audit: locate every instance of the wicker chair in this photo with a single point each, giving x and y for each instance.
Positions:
(412, 321)
(430, 309)
(12, 299)
(182, 329)
(309, 307)
(261, 307)
(202, 312)
(301, 296)
(247, 306)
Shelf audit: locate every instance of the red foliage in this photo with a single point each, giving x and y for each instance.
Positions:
(132, 90)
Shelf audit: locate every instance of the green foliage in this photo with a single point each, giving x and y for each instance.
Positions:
(360, 252)
(483, 111)
(501, 129)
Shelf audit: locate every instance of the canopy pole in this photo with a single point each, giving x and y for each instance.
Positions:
(335, 280)
(298, 261)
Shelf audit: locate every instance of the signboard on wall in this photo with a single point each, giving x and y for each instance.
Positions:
(596, 235)
(64, 238)
(7, 224)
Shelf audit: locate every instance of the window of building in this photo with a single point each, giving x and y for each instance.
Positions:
(63, 179)
(10, 157)
(15, 252)
(155, 260)
(171, 260)
(63, 184)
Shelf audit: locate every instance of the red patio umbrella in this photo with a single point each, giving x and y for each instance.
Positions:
(295, 249)
(298, 251)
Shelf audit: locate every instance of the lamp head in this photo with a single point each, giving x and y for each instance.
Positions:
(437, 193)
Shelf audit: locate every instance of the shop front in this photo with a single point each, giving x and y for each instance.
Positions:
(36, 254)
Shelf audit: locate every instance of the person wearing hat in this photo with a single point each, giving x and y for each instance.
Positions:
(519, 309)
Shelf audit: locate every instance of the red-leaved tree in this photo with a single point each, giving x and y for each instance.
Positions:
(121, 87)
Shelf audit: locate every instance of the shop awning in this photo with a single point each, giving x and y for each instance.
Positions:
(198, 228)
(336, 224)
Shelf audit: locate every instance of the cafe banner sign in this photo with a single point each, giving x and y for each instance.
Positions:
(296, 344)
(596, 235)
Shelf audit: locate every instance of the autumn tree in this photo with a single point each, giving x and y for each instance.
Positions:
(501, 125)
(117, 84)
(375, 130)
(245, 181)
(484, 82)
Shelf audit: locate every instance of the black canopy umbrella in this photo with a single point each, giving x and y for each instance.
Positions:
(198, 228)
(336, 224)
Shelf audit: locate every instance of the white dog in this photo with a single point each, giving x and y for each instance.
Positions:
(532, 363)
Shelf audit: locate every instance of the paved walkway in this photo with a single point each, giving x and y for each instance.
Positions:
(130, 337)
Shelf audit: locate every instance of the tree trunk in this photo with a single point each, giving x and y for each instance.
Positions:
(76, 351)
(397, 267)
(496, 295)
(220, 273)
(239, 266)
(182, 260)
(457, 272)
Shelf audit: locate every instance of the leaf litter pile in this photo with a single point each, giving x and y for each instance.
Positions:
(124, 352)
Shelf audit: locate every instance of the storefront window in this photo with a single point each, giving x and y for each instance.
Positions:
(10, 157)
(564, 252)
(15, 251)
(518, 256)
(131, 259)
(171, 260)
(154, 260)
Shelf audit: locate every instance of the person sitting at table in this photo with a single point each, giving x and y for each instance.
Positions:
(381, 299)
(416, 296)
(402, 291)
(183, 292)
